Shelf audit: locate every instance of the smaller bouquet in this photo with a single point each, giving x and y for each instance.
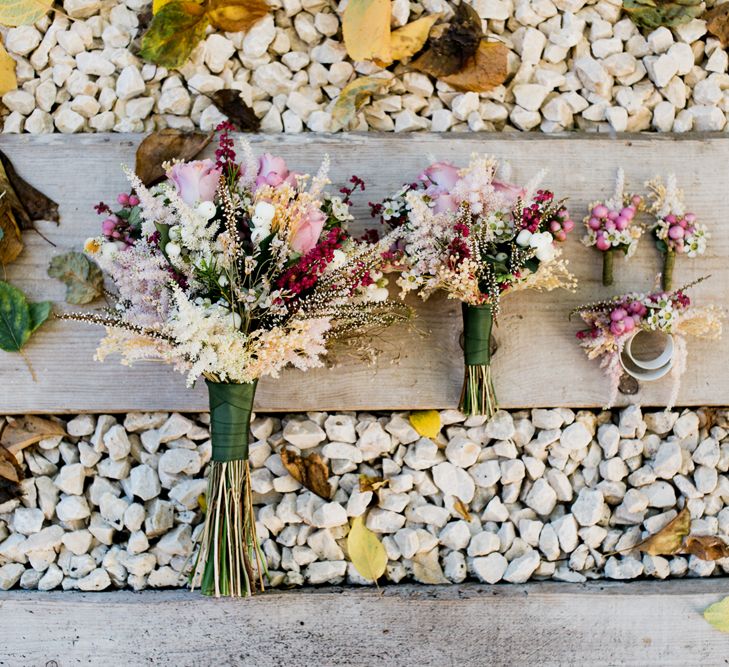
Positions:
(611, 227)
(475, 237)
(676, 232)
(614, 326)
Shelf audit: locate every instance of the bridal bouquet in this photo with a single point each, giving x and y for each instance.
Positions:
(611, 227)
(476, 237)
(232, 272)
(676, 232)
(613, 326)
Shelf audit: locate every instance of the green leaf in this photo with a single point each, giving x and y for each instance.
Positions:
(175, 31)
(83, 278)
(15, 319)
(366, 552)
(651, 14)
(39, 313)
(718, 615)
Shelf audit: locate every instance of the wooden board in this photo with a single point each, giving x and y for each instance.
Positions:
(538, 362)
(641, 624)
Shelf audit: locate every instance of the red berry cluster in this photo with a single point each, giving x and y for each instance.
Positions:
(303, 275)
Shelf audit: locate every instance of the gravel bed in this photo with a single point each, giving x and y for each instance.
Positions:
(574, 64)
(551, 494)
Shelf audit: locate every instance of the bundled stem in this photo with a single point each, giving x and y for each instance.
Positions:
(607, 267)
(477, 396)
(669, 261)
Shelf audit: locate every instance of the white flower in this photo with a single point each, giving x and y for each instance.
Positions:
(523, 238)
(172, 250)
(339, 259)
(544, 248)
(340, 210)
(261, 219)
(206, 209)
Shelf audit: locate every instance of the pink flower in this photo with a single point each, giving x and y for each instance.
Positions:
(307, 235)
(509, 192)
(272, 170)
(440, 178)
(195, 181)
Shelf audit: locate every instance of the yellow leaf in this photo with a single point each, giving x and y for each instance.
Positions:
(175, 31)
(461, 508)
(718, 615)
(408, 40)
(366, 29)
(236, 15)
(23, 12)
(202, 502)
(427, 569)
(669, 539)
(158, 4)
(353, 97)
(365, 551)
(371, 483)
(8, 81)
(426, 423)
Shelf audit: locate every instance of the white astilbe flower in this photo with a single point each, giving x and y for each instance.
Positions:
(617, 201)
(250, 166)
(321, 180)
(152, 207)
(666, 199)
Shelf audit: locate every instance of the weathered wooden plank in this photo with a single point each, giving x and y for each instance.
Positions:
(538, 362)
(641, 624)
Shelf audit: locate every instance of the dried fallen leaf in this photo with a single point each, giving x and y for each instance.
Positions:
(461, 508)
(22, 432)
(706, 547)
(366, 551)
(8, 80)
(238, 112)
(371, 483)
(669, 539)
(366, 30)
(29, 205)
(408, 40)
(451, 45)
(175, 31)
(718, 615)
(165, 145)
(11, 474)
(426, 423)
(717, 22)
(23, 12)
(236, 15)
(311, 471)
(427, 569)
(353, 96)
(484, 71)
(651, 14)
(83, 278)
(11, 240)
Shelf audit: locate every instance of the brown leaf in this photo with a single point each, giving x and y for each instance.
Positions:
(669, 539)
(311, 471)
(236, 15)
(461, 508)
(717, 22)
(486, 70)
(11, 240)
(371, 483)
(22, 432)
(27, 203)
(239, 113)
(452, 45)
(706, 547)
(11, 474)
(165, 145)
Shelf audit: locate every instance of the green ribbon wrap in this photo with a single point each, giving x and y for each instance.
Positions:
(477, 323)
(231, 406)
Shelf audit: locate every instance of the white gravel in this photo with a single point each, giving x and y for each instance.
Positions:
(551, 494)
(573, 64)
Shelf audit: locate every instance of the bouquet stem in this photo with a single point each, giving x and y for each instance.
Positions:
(669, 261)
(230, 562)
(607, 267)
(477, 396)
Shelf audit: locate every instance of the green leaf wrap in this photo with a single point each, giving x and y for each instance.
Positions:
(477, 323)
(231, 406)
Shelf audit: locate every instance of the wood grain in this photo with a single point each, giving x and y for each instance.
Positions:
(640, 624)
(538, 362)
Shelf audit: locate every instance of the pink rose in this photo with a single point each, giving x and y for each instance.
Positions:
(272, 170)
(440, 178)
(509, 192)
(195, 181)
(309, 230)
